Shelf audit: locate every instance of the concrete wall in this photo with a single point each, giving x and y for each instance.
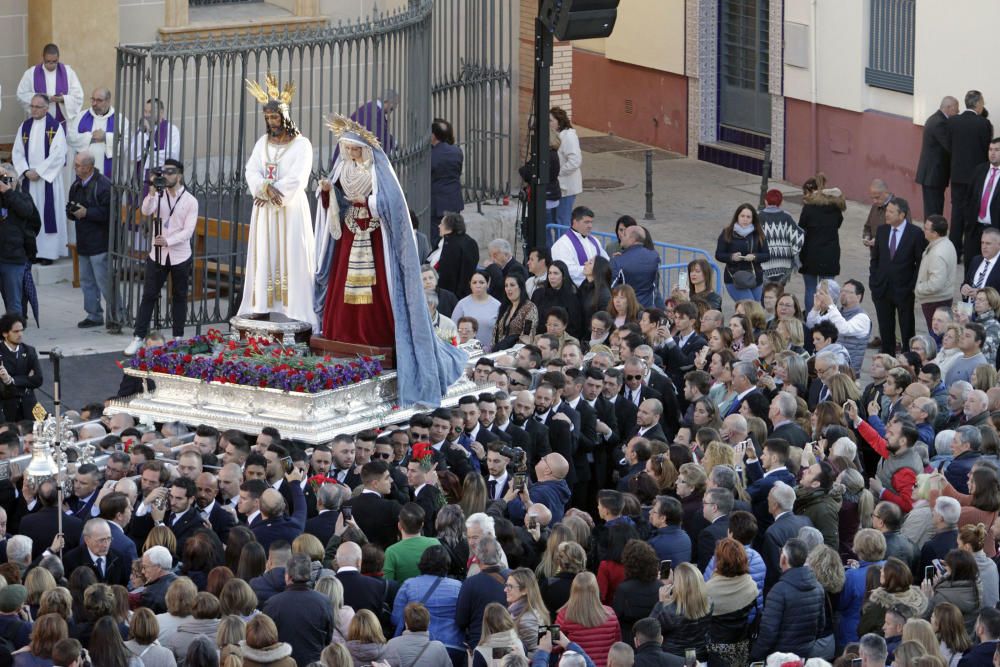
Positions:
(139, 20)
(13, 59)
(658, 111)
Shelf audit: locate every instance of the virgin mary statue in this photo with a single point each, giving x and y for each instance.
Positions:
(368, 281)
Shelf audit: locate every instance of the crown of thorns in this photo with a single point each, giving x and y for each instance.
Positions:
(270, 91)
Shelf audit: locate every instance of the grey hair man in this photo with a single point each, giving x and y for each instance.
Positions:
(19, 551)
(157, 566)
(734, 429)
(480, 589)
(303, 616)
(786, 525)
(965, 453)
(873, 651)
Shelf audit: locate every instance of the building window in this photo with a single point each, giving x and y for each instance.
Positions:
(890, 54)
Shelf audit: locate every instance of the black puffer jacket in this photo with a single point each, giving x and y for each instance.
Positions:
(821, 217)
(19, 229)
(681, 633)
(793, 615)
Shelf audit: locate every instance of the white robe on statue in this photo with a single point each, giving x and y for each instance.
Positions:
(50, 246)
(281, 238)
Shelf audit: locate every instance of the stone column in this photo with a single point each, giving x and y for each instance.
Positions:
(86, 35)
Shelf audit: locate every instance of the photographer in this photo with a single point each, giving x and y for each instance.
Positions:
(19, 223)
(177, 210)
(89, 206)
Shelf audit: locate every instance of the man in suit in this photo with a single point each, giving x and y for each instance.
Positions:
(360, 592)
(638, 266)
(934, 166)
(969, 135)
(826, 366)
(715, 507)
(248, 505)
(446, 426)
(678, 351)
(117, 511)
(661, 383)
(762, 474)
(587, 439)
(446, 176)
(988, 635)
(343, 461)
(782, 414)
(895, 262)
(20, 370)
(635, 390)
(498, 478)
(275, 523)
(183, 518)
(522, 413)
(426, 495)
(744, 384)
(328, 500)
(96, 553)
(983, 205)
(637, 452)
(86, 485)
(502, 266)
(376, 516)
(981, 270)
(559, 424)
(647, 421)
(42, 526)
(473, 435)
(606, 425)
(785, 526)
(221, 519)
(625, 410)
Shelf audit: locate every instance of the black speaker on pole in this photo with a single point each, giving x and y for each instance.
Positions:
(580, 19)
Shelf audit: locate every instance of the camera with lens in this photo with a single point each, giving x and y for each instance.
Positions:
(71, 207)
(6, 180)
(157, 179)
(516, 455)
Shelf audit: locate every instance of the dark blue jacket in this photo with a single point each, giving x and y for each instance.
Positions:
(446, 179)
(284, 527)
(794, 613)
(92, 229)
(304, 619)
(957, 472)
(121, 543)
(980, 655)
(640, 266)
(268, 585)
(671, 543)
(553, 494)
(758, 490)
(478, 591)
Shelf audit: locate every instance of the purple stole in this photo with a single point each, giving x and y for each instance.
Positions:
(87, 125)
(581, 254)
(62, 87)
(51, 128)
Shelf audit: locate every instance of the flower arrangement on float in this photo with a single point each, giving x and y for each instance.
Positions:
(253, 362)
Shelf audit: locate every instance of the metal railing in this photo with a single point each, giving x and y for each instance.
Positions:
(673, 258)
(341, 69)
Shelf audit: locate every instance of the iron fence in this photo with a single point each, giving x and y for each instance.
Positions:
(336, 69)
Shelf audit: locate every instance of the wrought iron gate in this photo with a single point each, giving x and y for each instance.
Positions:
(335, 69)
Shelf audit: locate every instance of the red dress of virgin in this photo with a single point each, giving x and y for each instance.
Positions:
(359, 324)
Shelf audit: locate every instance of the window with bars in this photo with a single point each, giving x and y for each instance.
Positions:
(891, 48)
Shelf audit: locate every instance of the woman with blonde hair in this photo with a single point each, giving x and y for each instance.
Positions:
(238, 598)
(794, 332)
(907, 652)
(949, 627)
(499, 632)
(57, 601)
(691, 484)
(547, 564)
(143, 642)
(918, 526)
(769, 345)
(570, 560)
(581, 530)
(38, 581)
(525, 604)
(921, 631)
(365, 641)
(869, 545)
(473, 494)
(309, 544)
(986, 309)
(180, 599)
(983, 377)
(262, 648)
(684, 612)
(161, 536)
(826, 566)
(755, 314)
(586, 621)
(231, 631)
(843, 389)
(972, 538)
(336, 655)
(331, 587)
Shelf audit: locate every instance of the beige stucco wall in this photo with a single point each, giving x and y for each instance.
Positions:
(649, 33)
(139, 20)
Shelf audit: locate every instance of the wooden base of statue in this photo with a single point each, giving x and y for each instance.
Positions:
(320, 345)
(273, 326)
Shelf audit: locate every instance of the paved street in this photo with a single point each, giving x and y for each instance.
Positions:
(692, 202)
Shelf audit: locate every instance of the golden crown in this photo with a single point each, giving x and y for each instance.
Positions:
(339, 124)
(270, 90)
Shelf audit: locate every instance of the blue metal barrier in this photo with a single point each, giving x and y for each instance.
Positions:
(673, 258)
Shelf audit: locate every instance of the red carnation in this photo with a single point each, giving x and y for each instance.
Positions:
(187, 358)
